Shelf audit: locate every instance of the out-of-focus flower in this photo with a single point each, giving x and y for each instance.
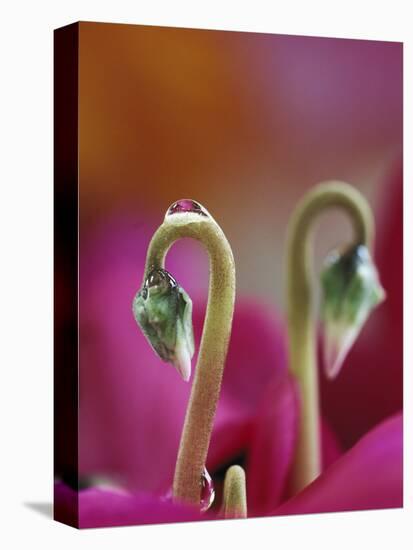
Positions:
(369, 476)
(104, 507)
(132, 407)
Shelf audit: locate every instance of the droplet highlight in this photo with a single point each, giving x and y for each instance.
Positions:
(207, 491)
(159, 278)
(186, 206)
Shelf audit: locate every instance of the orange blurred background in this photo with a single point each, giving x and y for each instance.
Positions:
(242, 122)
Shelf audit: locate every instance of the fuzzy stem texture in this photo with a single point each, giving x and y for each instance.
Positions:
(206, 386)
(235, 494)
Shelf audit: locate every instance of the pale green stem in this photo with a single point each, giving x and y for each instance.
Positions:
(301, 322)
(206, 386)
(234, 503)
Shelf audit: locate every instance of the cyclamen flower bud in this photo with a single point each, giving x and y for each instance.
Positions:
(351, 289)
(163, 310)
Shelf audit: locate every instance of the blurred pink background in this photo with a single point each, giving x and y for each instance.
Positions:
(244, 123)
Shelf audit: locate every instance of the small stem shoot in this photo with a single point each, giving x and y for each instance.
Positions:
(235, 494)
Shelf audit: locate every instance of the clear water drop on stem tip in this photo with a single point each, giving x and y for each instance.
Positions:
(160, 278)
(207, 491)
(186, 206)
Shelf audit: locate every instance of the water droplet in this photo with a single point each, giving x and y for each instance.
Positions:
(160, 278)
(185, 206)
(207, 491)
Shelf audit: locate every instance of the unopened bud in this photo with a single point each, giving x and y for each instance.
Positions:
(163, 310)
(351, 289)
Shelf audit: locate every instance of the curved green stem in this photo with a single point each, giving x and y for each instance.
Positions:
(235, 494)
(301, 324)
(214, 342)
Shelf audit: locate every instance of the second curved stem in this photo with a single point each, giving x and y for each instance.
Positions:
(301, 323)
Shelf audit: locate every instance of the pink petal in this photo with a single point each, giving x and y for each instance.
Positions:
(256, 358)
(230, 439)
(272, 445)
(132, 405)
(99, 507)
(257, 354)
(330, 447)
(369, 476)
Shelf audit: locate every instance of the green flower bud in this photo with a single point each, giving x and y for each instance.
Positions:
(163, 310)
(351, 289)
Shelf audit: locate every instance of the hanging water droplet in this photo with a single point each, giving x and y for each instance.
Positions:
(160, 278)
(186, 206)
(207, 491)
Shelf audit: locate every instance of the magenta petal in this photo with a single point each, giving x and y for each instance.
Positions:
(230, 438)
(100, 507)
(132, 405)
(330, 447)
(369, 476)
(272, 445)
(256, 357)
(256, 354)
